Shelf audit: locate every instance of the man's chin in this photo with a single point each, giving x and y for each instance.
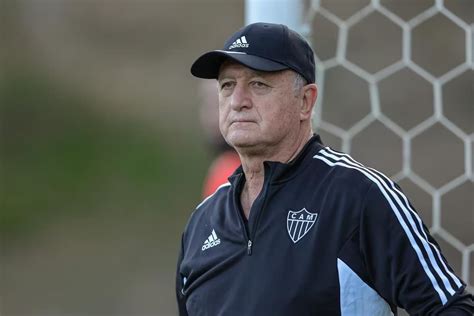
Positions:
(242, 142)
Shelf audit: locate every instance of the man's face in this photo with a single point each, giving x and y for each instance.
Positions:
(257, 109)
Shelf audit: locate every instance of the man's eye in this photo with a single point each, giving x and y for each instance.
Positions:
(226, 85)
(258, 84)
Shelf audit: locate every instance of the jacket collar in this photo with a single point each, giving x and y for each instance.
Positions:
(284, 171)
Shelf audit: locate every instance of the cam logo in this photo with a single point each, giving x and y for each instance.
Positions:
(299, 223)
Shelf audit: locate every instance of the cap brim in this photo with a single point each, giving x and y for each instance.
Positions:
(207, 66)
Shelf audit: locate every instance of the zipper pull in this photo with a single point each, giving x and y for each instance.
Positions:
(249, 247)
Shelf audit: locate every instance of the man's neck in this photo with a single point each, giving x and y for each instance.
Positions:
(252, 165)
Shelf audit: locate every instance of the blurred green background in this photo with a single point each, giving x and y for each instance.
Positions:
(102, 157)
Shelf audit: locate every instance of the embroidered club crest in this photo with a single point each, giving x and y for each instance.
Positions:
(299, 223)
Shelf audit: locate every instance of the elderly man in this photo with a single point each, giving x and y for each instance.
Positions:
(300, 229)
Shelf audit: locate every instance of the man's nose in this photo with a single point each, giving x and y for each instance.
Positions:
(240, 98)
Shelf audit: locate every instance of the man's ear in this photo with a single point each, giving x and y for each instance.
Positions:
(310, 94)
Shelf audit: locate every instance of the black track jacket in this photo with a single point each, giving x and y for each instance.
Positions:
(326, 236)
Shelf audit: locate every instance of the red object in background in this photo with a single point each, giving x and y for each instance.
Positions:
(222, 167)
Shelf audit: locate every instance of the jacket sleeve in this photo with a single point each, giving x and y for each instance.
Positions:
(403, 261)
(181, 299)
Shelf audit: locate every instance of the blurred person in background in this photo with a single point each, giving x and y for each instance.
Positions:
(300, 229)
(227, 159)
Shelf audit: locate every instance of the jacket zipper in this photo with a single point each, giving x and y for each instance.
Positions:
(249, 247)
(239, 215)
(250, 236)
(257, 219)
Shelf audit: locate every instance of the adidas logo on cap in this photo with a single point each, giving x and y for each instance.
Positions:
(211, 241)
(240, 42)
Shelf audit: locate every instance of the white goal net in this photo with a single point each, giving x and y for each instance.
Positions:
(396, 91)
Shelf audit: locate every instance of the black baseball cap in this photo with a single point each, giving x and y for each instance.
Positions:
(260, 46)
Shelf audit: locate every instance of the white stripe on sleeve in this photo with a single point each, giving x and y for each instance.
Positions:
(392, 198)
